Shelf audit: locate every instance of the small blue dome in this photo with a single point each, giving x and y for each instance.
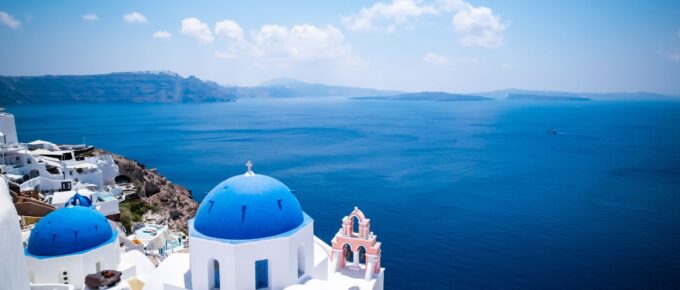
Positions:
(68, 231)
(79, 200)
(250, 206)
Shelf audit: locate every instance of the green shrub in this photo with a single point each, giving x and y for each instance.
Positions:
(131, 211)
(126, 218)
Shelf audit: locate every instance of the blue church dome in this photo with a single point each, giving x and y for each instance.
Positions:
(249, 206)
(68, 231)
(80, 200)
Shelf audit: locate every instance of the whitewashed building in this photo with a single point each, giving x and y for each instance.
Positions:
(57, 172)
(8, 129)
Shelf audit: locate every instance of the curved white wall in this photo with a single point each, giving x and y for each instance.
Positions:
(13, 274)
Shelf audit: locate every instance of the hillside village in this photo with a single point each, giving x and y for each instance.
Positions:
(149, 211)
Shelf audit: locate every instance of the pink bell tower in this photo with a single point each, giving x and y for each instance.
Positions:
(356, 248)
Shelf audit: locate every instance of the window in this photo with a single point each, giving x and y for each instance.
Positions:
(261, 274)
(64, 277)
(362, 255)
(347, 251)
(355, 225)
(216, 274)
(301, 261)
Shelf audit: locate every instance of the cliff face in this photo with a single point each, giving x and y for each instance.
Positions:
(155, 87)
(132, 87)
(172, 204)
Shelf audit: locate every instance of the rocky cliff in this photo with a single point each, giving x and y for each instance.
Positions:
(156, 87)
(127, 87)
(171, 204)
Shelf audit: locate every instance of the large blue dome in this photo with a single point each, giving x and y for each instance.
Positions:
(69, 230)
(249, 206)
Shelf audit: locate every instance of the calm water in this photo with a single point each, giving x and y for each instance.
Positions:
(463, 195)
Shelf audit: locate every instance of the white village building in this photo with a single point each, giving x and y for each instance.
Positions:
(72, 242)
(46, 167)
(54, 173)
(64, 247)
(8, 129)
(49, 170)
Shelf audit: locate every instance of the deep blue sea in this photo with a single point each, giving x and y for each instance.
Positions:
(462, 194)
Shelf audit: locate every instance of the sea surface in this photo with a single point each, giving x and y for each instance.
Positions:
(462, 194)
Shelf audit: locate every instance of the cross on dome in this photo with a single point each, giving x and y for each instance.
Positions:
(249, 165)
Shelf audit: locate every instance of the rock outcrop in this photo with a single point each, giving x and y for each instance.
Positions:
(173, 204)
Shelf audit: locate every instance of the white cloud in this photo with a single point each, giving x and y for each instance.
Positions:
(134, 17)
(479, 27)
(387, 16)
(90, 17)
(505, 66)
(196, 29)
(299, 43)
(162, 34)
(229, 29)
(9, 20)
(275, 44)
(435, 59)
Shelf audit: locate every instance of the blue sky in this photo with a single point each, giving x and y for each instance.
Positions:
(444, 45)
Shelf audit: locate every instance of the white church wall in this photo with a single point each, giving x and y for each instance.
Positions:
(237, 261)
(203, 252)
(301, 244)
(321, 260)
(77, 266)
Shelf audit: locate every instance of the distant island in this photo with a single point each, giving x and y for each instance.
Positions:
(290, 88)
(538, 95)
(532, 97)
(427, 96)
